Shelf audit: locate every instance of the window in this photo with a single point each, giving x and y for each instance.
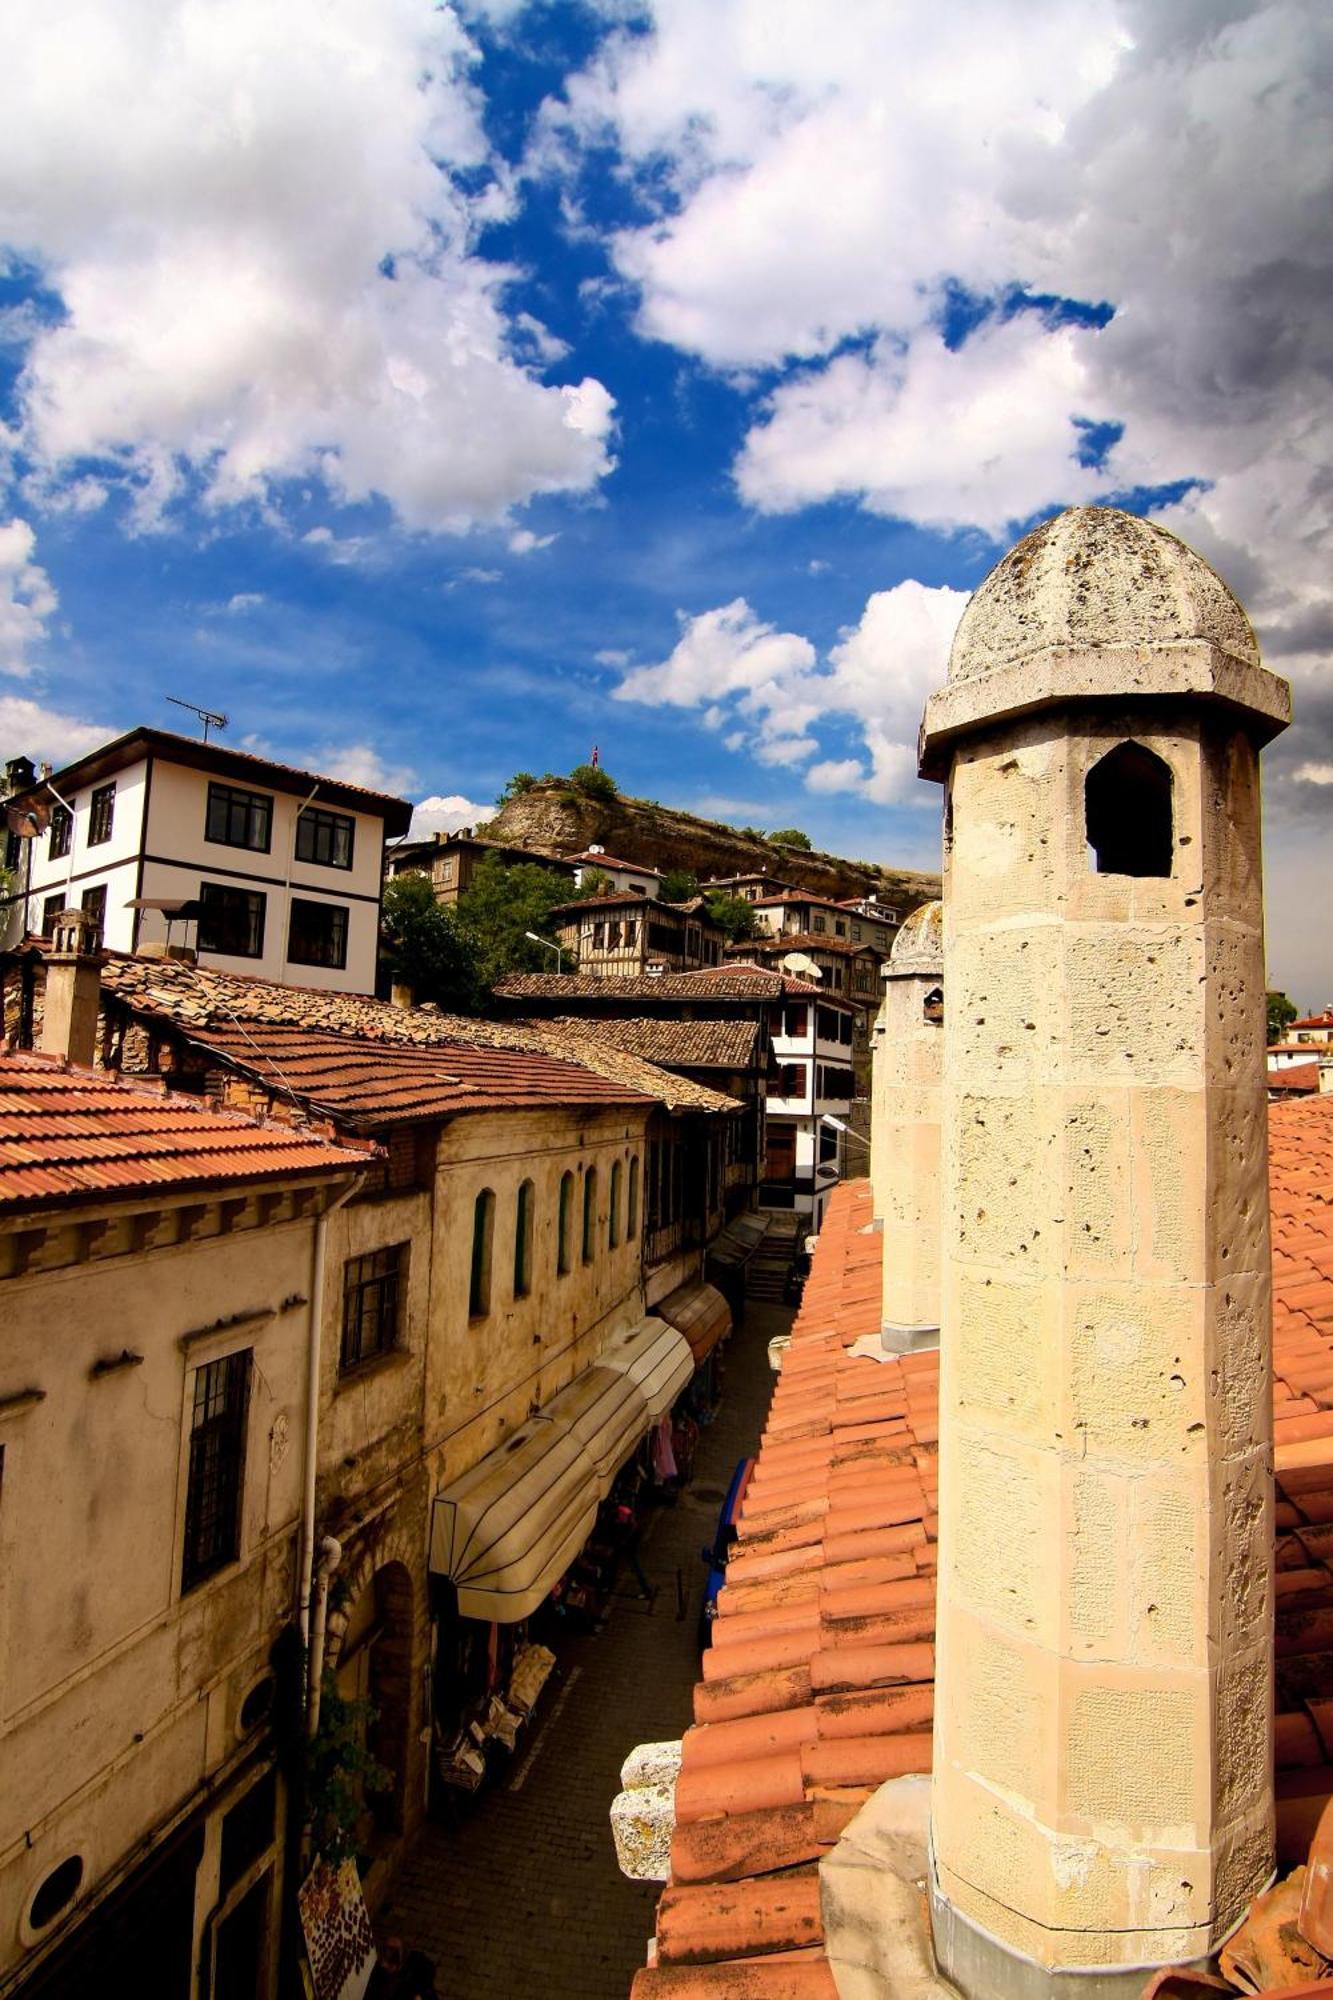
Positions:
(217, 1466)
(839, 927)
(817, 924)
(51, 908)
(239, 819)
(798, 1021)
(826, 1024)
(93, 902)
(613, 1216)
(523, 1240)
(62, 832)
(231, 921)
(845, 1029)
(101, 815)
(932, 1007)
(599, 935)
(13, 850)
(791, 1080)
(564, 1221)
(317, 934)
(632, 931)
(856, 934)
(837, 1083)
(589, 1214)
(1127, 798)
(632, 1209)
(372, 1298)
(55, 1893)
(828, 1143)
(483, 1229)
(613, 936)
(325, 837)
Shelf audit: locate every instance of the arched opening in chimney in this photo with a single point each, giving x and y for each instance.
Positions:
(1127, 798)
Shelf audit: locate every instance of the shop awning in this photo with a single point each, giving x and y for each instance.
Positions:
(700, 1312)
(656, 1359)
(606, 1412)
(737, 1243)
(507, 1530)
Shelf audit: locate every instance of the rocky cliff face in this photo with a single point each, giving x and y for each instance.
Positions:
(552, 819)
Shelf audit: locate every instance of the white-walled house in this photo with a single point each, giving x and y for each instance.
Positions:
(281, 868)
(626, 877)
(812, 1044)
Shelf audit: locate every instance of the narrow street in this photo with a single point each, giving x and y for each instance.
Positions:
(524, 1896)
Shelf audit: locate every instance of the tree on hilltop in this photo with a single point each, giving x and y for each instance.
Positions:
(791, 836)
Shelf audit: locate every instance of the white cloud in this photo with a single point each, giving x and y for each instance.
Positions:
(445, 815)
(27, 729)
(522, 542)
(832, 176)
(772, 688)
(27, 599)
(472, 574)
(361, 764)
(1313, 774)
(613, 656)
(267, 265)
(245, 600)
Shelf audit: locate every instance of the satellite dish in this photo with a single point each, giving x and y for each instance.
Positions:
(26, 822)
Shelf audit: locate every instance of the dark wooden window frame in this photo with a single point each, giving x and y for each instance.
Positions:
(220, 1413)
(319, 833)
(232, 813)
(229, 903)
(306, 948)
(102, 814)
(373, 1292)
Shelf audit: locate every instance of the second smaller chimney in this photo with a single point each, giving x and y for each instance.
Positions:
(73, 989)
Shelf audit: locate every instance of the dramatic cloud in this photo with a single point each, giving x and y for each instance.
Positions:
(733, 668)
(868, 201)
(361, 764)
(26, 597)
(260, 225)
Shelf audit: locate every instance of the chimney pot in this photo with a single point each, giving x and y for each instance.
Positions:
(73, 990)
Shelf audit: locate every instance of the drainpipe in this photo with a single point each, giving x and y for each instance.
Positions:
(330, 1555)
(312, 1410)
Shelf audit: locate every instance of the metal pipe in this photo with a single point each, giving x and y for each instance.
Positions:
(311, 1464)
(330, 1555)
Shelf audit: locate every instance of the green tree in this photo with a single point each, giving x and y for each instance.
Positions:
(502, 904)
(735, 915)
(593, 882)
(1281, 1014)
(429, 950)
(678, 885)
(522, 781)
(791, 836)
(593, 781)
(340, 1770)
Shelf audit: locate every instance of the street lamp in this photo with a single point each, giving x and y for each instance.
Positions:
(827, 1118)
(547, 945)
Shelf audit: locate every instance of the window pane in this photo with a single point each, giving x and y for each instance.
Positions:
(317, 934)
(325, 837)
(94, 902)
(217, 1466)
(372, 1291)
(239, 818)
(62, 829)
(483, 1223)
(231, 920)
(101, 815)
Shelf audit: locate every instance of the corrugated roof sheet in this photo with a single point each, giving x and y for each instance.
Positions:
(69, 1135)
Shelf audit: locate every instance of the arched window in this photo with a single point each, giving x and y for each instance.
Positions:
(613, 1217)
(932, 1007)
(589, 1214)
(483, 1229)
(523, 1240)
(632, 1211)
(1127, 798)
(564, 1223)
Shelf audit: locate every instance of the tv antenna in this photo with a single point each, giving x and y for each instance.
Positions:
(206, 715)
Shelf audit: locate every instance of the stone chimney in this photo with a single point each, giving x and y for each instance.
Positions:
(1102, 1795)
(73, 989)
(905, 1131)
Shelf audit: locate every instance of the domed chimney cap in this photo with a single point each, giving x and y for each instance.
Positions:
(1099, 603)
(918, 948)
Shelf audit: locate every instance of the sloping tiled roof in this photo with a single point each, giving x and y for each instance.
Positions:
(781, 941)
(373, 1063)
(1299, 1078)
(597, 859)
(70, 1135)
(819, 1681)
(723, 982)
(1300, 1139)
(685, 1044)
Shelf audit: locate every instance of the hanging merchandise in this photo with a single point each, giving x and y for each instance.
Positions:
(664, 1457)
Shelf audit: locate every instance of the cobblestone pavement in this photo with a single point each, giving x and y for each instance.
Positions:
(524, 1896)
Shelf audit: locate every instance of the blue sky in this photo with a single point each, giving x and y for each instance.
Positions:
(441, 393)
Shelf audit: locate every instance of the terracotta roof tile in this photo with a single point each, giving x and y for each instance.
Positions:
(72, 1135)
(705, 1044)
(714, 982)
(1298, 1078)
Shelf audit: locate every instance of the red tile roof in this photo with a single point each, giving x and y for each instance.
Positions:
(714, 982)
(597, 859)
(779, 941)
(73, 1135)
(708, 1044)
(819, 1681)
(1299, 1078)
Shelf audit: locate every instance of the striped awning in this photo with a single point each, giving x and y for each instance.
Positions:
(656, 1359)
(700, 1312)
(506, 1531)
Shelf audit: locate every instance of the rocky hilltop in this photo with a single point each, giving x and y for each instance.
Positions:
(553, 818)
